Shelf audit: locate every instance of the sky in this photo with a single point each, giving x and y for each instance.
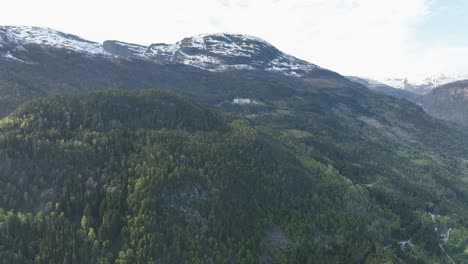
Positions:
(373, 38)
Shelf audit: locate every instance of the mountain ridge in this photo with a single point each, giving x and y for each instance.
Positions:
(213, 52)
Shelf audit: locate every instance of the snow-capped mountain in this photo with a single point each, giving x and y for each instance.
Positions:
(421, 86)
(213, 52)
(219, 52)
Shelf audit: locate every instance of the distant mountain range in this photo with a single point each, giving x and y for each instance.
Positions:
(422, 86)
(401, 86)
(384, 88)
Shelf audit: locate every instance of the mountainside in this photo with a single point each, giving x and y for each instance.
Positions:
(75, 72)
(449, 101)
(383, 88)
(308, 166)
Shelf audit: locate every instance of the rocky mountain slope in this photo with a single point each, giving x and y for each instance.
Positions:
(449, 101)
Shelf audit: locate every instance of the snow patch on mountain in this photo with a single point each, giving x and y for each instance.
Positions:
(10, 57)
(244, 101)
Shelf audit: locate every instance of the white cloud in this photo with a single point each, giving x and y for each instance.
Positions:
(361, 37)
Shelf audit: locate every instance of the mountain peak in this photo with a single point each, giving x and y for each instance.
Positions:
(222, 51)
(226, 37)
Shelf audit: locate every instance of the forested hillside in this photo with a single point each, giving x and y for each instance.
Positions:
(413, 166)
(147, 177)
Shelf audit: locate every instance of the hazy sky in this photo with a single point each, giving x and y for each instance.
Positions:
(376, 38)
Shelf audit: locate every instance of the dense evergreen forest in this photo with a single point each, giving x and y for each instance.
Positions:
(149, 177)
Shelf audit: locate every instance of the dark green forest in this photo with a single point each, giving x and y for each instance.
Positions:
(150, 177)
